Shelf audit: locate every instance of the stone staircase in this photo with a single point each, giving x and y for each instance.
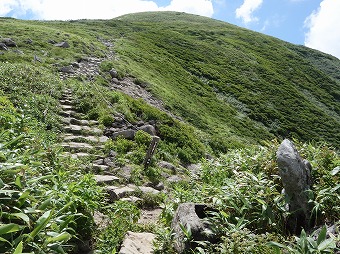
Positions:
(84, 138)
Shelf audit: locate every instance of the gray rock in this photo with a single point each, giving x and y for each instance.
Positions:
(113, 73)
(9, 42)
(116, 81)
(67, 69)
(295, 173)
(128, 134)
(63, 44)
(138, 243)
(106, 179)
(148, 128)
(167, 165)
(3, 46)
(191, 216)
(120, 192)
(75, 65)
(148, 190)
(29, 41)
(132, 199)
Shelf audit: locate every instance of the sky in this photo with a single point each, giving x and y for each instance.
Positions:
(313, 23)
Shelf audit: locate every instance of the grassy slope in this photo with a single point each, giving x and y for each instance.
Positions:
(237, 85)
(226, 80)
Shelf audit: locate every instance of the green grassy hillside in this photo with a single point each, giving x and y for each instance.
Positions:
(236, 85)
(233, 88)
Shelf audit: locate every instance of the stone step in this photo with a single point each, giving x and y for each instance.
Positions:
(77, 147)
(83, 122)
(106, 179)
(71, 113)
(66, 102)
(78, 129)
(66, 107)
(80, 138)
(149, 216)
(97, 168)
(138, 243)
(117, 193)
(76, 155)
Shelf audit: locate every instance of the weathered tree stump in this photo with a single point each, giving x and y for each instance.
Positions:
(295, 173)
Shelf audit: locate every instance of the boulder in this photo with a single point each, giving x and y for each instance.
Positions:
(191, 216)
(67, 69)
(63, 44)
(128, 134)
(148, 128)
(167, 165)
(9, 42)
(137, 243)
(295, 173)
(3, 46)
(113, 73)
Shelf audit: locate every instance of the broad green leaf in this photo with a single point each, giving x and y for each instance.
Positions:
(45, 204)
(63, 237)
(322, 235)
(4, 240)
(335, 171)
(40, 179)
(22, 216)
(23, 197)
(18, 181)
(9, 228)
(18, 249)
(327, 244)
(41, 223)
(275, 244)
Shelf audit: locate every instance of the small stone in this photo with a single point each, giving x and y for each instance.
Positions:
(63, 44)
(113, 73)
(67, 69)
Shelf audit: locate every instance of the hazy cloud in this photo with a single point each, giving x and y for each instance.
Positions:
(98, 9)
(323, 25)
(246, 10)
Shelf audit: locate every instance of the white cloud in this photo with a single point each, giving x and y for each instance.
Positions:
(246, 10)
(6, 6)
(323, 25)
(97, 9)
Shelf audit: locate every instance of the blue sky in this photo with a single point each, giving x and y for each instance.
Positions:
(313, 23)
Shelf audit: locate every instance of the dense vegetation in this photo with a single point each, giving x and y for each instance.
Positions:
(238, 93)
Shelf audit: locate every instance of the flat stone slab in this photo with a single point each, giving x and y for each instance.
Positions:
(101, 220)
(79, 129)
(77, 146)
(148, 190)
(94, 139)
(150, 216)
(106, 179)
(120, 192)
(66, 106)
(132, 199)
(137, 243)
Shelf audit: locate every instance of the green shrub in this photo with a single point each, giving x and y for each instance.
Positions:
(142, 138)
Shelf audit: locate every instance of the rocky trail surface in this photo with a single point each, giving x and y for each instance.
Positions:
(83, 140)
